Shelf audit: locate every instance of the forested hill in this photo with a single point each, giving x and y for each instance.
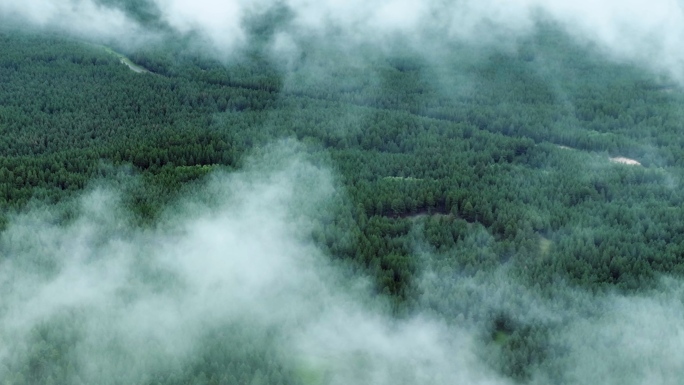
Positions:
(485, 157)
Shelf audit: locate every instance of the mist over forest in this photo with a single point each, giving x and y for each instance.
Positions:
(373, 192)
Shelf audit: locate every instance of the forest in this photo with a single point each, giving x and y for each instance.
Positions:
(545, 169)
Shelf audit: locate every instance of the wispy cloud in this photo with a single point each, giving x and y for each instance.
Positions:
(645, 33)
(238, 252)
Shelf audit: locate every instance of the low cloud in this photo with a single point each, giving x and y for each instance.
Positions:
(130, 303)
(562, 334)
(137, 301)
(642, 33)
(82, 18)
(630, 340)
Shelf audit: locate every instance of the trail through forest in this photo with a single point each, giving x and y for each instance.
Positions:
(123, 59)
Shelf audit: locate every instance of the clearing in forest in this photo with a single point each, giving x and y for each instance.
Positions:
(615, 159)
(623, 160)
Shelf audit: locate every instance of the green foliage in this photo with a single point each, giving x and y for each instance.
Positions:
(469, 171)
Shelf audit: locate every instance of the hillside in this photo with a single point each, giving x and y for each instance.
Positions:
(445, 172)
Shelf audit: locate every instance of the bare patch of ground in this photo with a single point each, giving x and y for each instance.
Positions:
(623, 160)
(134, 67)
(122, 59)
(544, 246)
(615, 159)
(402, 178)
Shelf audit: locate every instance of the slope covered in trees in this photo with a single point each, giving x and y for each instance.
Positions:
(484, 158)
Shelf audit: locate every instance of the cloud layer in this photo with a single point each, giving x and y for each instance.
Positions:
(238, 252)
(646, 33)
(139, 302)
(80, 18)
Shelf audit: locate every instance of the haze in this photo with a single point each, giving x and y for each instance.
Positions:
(639, 32)
(233, 261)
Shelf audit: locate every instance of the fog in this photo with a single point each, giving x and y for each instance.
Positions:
(134, 303)
(603, 338)
(84, 19)
(236, 253)
(638, 32)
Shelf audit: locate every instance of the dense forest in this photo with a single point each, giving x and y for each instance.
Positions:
(483, 160)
